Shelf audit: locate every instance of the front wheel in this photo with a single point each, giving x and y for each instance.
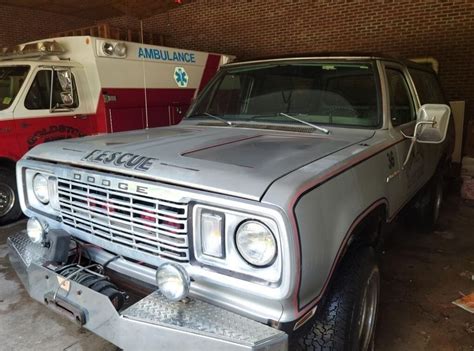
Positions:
(9, 205)
(346, 320)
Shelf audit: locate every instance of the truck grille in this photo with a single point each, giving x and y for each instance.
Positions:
(138, 222)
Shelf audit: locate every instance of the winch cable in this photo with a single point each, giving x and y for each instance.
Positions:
(68, 278)
(111, 260)
(94, 281)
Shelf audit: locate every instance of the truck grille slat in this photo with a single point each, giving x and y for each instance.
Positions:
(112, 212)
(137, 222)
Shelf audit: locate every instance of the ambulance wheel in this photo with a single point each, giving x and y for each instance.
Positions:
(430, 203)
(346, 319)
(9, 205)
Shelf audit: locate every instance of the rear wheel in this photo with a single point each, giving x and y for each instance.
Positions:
(9, 205)
(346, 319)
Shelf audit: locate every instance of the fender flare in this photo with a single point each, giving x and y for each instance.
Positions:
(355, 235)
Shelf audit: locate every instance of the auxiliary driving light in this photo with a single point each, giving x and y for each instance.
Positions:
(36, 230)
(173, 281)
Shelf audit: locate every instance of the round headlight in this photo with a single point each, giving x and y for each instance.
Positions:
(40, 188)
(35, 230)
(108, 49)
(173, 281)
(256, 243)
(120, 49)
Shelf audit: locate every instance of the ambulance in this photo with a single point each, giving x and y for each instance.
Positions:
(71, 87)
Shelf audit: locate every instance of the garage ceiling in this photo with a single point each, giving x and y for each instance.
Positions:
(98, 10)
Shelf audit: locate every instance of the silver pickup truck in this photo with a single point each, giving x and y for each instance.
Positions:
(254, 223)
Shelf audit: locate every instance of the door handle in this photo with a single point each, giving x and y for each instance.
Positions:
(80, 116)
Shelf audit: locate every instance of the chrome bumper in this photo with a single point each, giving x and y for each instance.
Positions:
(150, 324)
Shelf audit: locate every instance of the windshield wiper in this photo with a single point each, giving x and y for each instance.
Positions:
(321, 129)
(229, 123)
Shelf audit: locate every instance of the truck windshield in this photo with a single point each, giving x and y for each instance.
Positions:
(11, 80)
(329, 93)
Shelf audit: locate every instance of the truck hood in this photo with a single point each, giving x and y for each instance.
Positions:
(235, 161)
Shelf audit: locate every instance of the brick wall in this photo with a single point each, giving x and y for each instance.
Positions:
(248, 29)
(19, 25)
(443, 29)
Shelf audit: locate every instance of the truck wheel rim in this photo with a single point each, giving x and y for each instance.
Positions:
(368, 311)
(7, 199)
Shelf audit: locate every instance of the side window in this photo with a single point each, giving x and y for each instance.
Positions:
(427, 87)
(401, 103)
(39, 95)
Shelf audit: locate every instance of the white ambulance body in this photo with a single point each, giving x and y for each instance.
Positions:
(75, 86)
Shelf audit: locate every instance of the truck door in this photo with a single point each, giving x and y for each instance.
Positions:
(402, 115)
(40, 116)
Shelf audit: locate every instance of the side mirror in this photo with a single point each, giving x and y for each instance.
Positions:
(432, 123)
(64, 76)
(431, 126)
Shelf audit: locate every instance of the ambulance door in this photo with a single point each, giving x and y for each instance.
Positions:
(45, 113)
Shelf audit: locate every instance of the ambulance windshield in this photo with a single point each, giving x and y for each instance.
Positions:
(323, 93)
(11, 80)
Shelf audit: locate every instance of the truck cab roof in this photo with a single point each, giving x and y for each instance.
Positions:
(332, 56)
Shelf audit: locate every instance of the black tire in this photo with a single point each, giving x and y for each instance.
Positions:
(9, 205)
(429, 204)
(336, 325)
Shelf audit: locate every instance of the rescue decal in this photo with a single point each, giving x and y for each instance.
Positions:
(165, 55)
(123, 159)
(181, 77)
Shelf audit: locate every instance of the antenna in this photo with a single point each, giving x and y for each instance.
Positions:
(144, 77)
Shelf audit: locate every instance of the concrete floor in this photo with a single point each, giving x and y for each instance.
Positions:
(421, 275)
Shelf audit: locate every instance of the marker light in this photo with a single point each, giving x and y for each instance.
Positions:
(35, 230)
(173, 281)
(108, 49)
(120, 49)
(256, 243)
(212, 234)
(40, 188)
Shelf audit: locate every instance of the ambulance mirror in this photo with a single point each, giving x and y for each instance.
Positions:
(67, 99)
(67, 88)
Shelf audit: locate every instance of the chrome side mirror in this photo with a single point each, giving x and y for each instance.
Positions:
(431, 126)
(432, 123)
(67, 88)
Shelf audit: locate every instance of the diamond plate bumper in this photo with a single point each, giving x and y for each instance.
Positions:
(152, 323)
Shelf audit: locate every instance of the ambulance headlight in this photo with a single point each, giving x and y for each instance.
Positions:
(120, 50)
(108, 49)
(40, 188)
(256, 243)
